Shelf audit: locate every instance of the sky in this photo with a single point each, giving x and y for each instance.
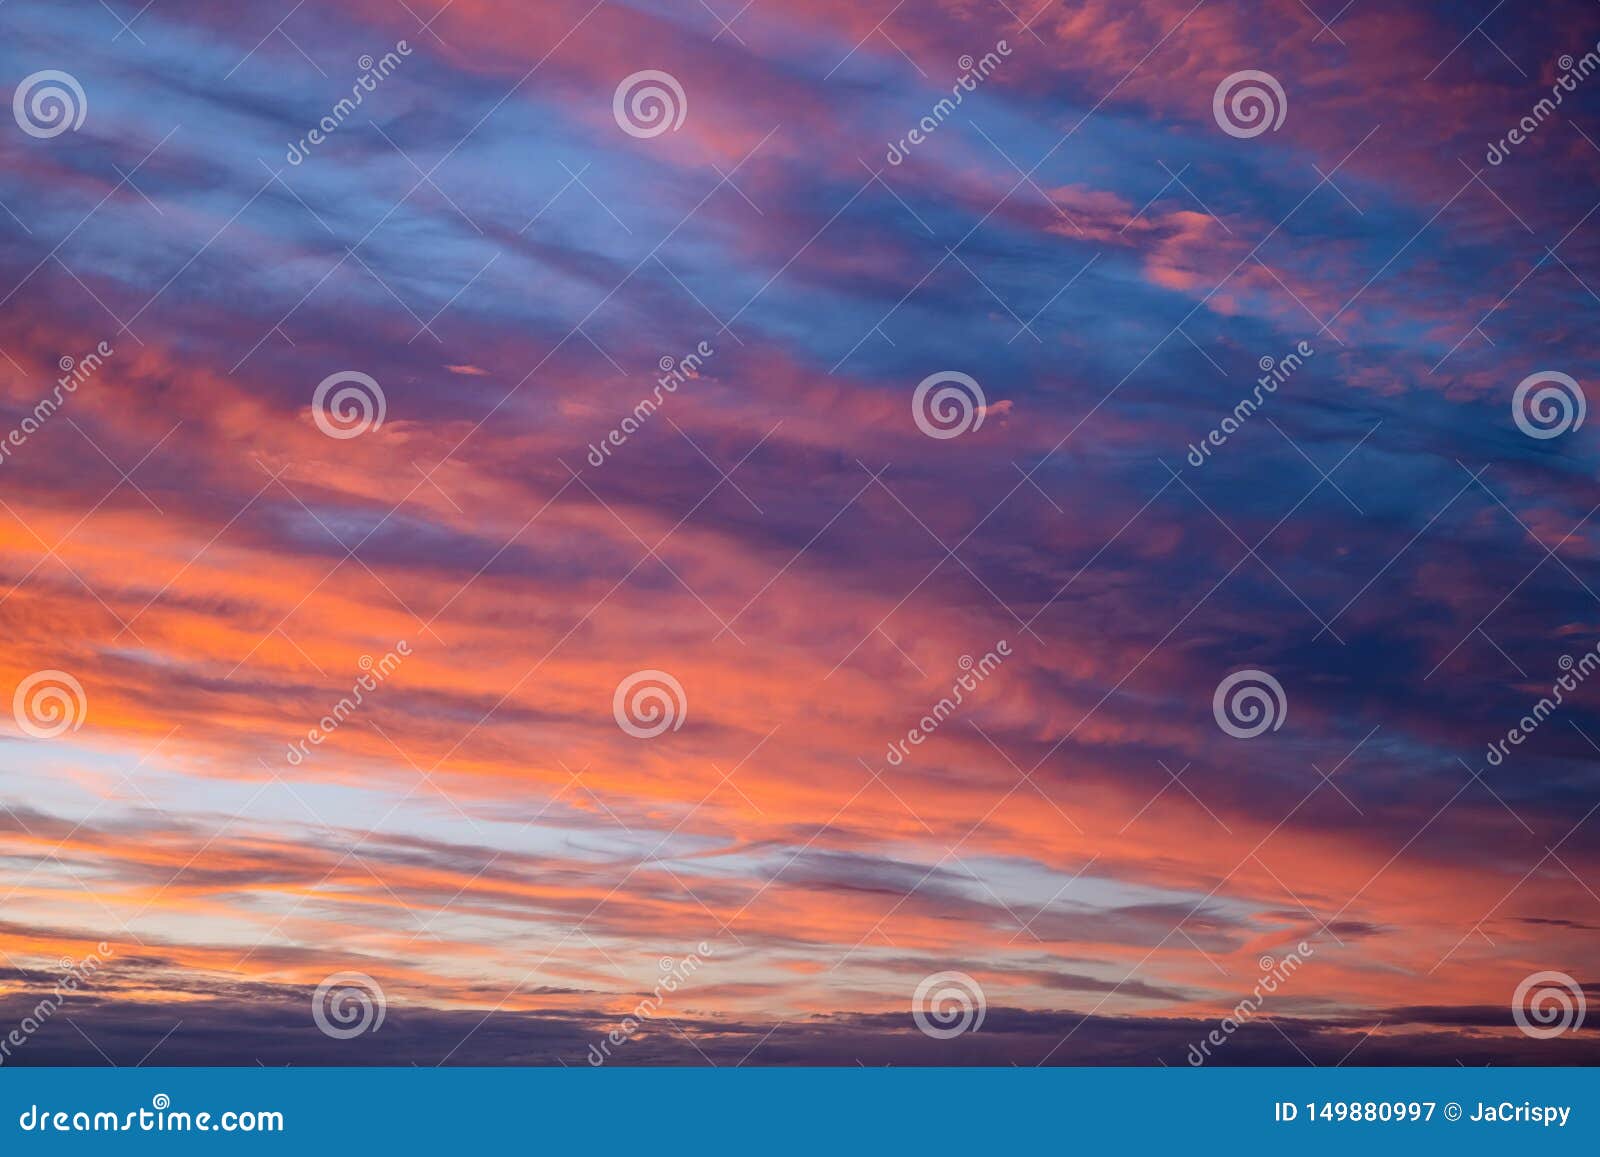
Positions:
(612, 532)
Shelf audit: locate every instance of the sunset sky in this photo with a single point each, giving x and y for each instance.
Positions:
(516, 863)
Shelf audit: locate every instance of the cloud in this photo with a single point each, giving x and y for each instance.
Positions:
(779, 535)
